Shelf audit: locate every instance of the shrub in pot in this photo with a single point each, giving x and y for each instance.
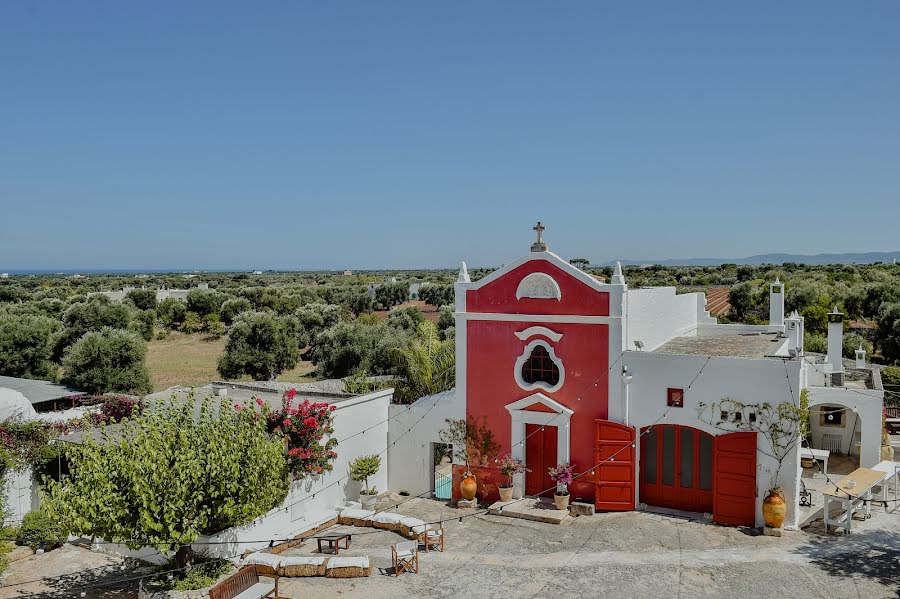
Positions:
(360, 470)
(562, 475)
(510, 466)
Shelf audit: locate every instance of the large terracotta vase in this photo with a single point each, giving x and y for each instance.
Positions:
(468, 487)
(774, 509)
(505, 493)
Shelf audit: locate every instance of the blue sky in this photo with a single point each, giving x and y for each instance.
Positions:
(388, 134)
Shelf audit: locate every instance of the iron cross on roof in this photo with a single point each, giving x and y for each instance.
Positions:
(539, 245)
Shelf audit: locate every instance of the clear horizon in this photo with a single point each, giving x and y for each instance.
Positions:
(410, 136)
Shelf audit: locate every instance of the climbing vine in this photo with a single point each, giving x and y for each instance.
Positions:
(781, 425)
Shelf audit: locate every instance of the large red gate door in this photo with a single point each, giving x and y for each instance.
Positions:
(734, 484)
(614, 478)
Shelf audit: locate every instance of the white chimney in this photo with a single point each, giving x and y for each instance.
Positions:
(793, 331)
(835, 339)
(860, 357)
(776, 303)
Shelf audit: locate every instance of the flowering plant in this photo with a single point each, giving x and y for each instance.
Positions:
(303, 428)
(562, 476)
(510, 466)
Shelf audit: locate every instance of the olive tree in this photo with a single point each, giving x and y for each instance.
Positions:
(111, 360)
(261, 345)
(143, 299)
(26, 346)
(171, 475)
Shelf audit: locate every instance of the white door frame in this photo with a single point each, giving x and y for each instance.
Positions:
(560, 417)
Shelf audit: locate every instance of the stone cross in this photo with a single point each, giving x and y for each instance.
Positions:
(539, 245)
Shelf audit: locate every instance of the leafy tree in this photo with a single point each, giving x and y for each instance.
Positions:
(887, 335)
(472, 440)
(261, 345)
(852, 342)
(437, 295)
(232, 307)
(815, 342)
(389, 295)
(191, 324)
(816, 318)
(581, 263)
(171, 312)
(315, 318)
(744, 273)
(111, 360)
(360, 302)
(26, 348)
(204, 301)
(170, 476)
(879, 295)
(362, 468)
(143, 299)
(213, 325)
(142, 323)
(747, 302)
(92, 315)
(351, 346)
(426, 366)
(446, 322)
(407, 318)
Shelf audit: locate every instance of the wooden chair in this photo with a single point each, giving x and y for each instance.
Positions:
(246, 580)
(405, 556)
(432, 537)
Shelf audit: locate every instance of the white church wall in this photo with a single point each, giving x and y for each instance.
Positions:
(301, 511)
(743, 380)
(657, 314)
(409, 461)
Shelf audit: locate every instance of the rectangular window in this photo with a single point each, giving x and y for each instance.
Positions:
(675, 398)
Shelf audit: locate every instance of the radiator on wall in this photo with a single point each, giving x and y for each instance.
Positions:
(832, 443)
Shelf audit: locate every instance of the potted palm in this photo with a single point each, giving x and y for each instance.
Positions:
(360, 470)
(562, 476)
(509, 466)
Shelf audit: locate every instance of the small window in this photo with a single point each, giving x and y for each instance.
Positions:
(540, 368)
(832, 417)
(675, 398)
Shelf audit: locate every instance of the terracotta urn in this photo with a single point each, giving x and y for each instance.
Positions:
(774, 508)
(468, 487)
(505, 493)
(887, 453)
(561, 501)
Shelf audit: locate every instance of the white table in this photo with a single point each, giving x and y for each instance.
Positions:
(816, 454)
(852, 499)
(891, 475)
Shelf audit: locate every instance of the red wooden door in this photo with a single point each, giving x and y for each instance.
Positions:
(614, 447)
(735, 479)
(540, 456)
(677, 468)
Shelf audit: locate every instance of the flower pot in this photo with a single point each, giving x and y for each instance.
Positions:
(774, 509)
(368, 501)
(887, 453)
(468, 487)
(561, 501)
(505, 493)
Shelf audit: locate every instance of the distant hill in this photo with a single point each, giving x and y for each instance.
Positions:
(857, 258)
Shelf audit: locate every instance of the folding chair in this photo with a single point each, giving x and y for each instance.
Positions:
(405, 556)
(432, 537)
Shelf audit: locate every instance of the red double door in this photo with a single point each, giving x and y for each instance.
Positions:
(677, 468)
(540, 455)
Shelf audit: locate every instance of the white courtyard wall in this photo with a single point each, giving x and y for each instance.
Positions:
(410, 465)
(866, 404)
(294, 516)
(743, 380)
(657, 314)
(20, 494)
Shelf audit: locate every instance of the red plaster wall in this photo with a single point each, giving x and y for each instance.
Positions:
(500, 296)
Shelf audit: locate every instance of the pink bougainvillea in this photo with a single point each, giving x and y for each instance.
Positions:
(305, 427)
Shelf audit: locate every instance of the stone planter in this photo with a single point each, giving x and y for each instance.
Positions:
(368, 501)
(561, 501)
(506, 493)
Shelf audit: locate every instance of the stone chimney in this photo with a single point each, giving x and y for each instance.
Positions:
(776, 303)
(835, 340)
(860, 357)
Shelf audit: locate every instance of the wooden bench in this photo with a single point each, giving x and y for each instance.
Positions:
(245, 584)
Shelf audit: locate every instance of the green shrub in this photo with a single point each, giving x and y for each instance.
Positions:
(362, 468)
(204, 573)
(890, 375)
(39, 532)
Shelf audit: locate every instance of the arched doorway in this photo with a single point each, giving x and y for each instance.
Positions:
(676, 468)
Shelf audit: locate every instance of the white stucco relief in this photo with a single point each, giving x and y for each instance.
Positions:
(538, 285)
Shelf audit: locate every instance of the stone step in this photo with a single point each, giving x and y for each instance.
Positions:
(530, 509)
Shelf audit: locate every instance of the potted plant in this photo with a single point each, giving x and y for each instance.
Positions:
(562, 476)
(472, 442)
(509, 466)
(360, 470)
(774, 508)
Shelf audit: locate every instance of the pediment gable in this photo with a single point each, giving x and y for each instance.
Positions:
(539, 402)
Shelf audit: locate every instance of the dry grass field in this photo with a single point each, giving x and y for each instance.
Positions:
(188, 360)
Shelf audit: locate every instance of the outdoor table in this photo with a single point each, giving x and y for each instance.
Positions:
(334, 541)
(891, 475)
(816, 454)
(852, 499)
